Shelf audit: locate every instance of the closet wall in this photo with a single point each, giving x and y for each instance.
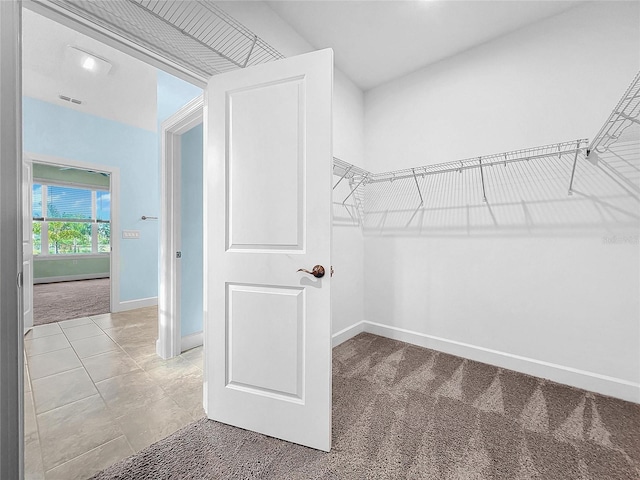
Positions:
(554, 81)
(560, 305)
(348, 135)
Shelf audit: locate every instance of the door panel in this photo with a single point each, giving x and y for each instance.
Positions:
(268, 121)
(268, 214)
(276, 341)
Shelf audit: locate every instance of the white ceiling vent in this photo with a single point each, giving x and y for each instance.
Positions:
(69, 99)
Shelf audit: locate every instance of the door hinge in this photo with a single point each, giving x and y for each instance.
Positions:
(19, 280)
(178, 254)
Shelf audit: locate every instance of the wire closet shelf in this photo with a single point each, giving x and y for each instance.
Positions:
(195, 34)
(468, 181)
(201, 38)
(535, 176)
(616, 147)
(625, 115)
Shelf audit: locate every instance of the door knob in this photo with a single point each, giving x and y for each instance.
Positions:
(317, 271)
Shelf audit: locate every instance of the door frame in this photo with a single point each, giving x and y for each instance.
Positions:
(169, 343)
(12, 334)
(114, 190)
(26, 186)
(11, 309)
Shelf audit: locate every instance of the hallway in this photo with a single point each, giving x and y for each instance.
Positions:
(96, 392)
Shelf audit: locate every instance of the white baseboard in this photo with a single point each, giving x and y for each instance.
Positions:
(595, 382)
(70, 278)
(347, 333)
(139, 303)
(191, 341)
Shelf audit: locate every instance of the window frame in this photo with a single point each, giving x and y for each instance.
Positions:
(45, 220)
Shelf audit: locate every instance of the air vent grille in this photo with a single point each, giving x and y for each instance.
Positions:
(70, 99)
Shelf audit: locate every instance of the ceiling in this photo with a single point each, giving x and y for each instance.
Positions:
(374, 42)
(127, 94)
(377, 41)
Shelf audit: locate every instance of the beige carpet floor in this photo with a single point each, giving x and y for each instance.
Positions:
(54, 302)
(401, 411)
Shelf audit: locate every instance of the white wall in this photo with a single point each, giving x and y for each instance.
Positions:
(559, 306)
(348, 127)
(554, 81)
(348, 138)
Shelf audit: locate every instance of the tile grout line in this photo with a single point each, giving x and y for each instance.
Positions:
(43, 336)
(64, 405)
(111, 413)
(102, 444)
(35, 417)
(62, 371)
(50, 351)
(36, 414)
(89, 451)
(70, 403)
(160, 385)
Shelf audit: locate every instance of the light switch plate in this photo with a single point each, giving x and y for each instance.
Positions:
(131, 234)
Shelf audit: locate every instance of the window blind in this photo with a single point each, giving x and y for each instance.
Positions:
(68, 203)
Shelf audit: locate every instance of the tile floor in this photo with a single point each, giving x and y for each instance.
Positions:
(96, 392)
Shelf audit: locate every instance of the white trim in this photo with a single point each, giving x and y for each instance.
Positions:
(595, 382)
(133, 304)
(205, 257)
(60, 183)
(11, 260)
(191, 341)
(70, 278)
(44, 226)
(169, 337)
(114, 189)
(347, 333)
(69, 256)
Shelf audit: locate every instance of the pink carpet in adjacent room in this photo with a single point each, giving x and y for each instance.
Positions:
(53, 302)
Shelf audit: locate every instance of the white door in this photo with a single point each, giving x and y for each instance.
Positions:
(27, 245)
(267, 198)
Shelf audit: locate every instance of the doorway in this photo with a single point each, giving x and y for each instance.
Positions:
(101, 369)
(180, 295)
(71, 219)
(302, 283)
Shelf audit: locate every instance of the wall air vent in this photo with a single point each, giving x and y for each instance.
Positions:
(69, 99)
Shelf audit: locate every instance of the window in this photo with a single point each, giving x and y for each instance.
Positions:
(70, 220)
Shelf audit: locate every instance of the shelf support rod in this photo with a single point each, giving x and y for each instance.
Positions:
(354, 189)
(342, 177)
(255, 39)
(484, 194)
(628, 117)
(418, 187)
(573, 170)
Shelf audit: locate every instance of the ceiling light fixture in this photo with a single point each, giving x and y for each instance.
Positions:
(88, 61)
